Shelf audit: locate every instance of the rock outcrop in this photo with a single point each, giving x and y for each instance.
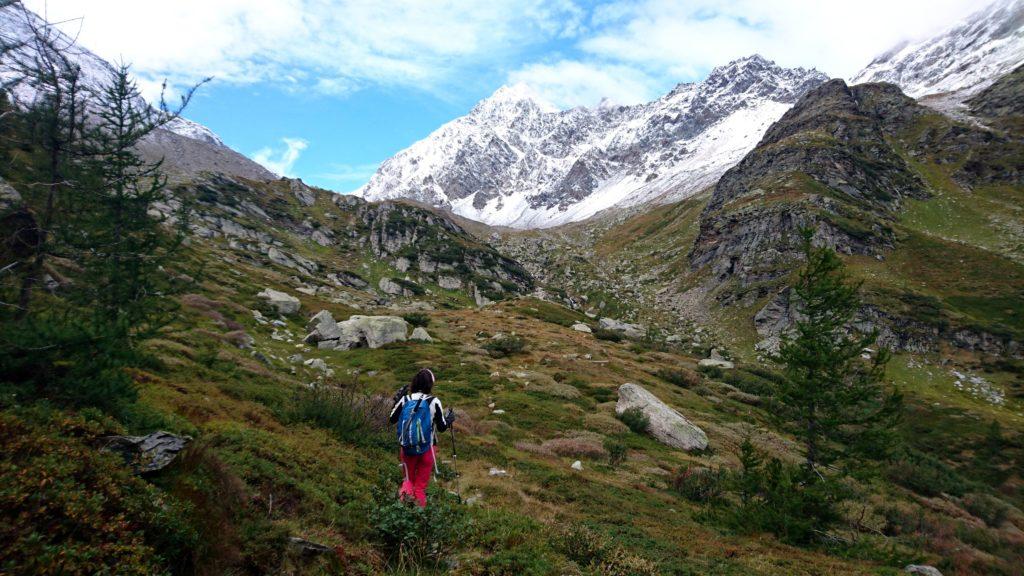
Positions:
(666, 424)
(147, 453)
(630, 330)
(356, 332)
(283, 302)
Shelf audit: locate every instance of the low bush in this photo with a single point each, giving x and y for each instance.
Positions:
(713, 372)
(349, 415)
(413, 538)
(635, 419)
(600, 555)
(68, 508)
(606, 334)
(417, 319)
(680, 377)
(503, 346)
(925, 474)
(584, 447)
(410, 286)
(699, 484)
(617, 451)
(987, 507)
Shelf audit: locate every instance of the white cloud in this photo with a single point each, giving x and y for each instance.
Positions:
(281, 161)
(838, 38)
(341, 44)
(635, 49)
(568, 83)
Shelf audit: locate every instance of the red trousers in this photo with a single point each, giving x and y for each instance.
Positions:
(417, 476)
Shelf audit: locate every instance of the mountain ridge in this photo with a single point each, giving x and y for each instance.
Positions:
(514, 160)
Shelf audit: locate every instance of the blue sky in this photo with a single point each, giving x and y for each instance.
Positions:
(327, 89)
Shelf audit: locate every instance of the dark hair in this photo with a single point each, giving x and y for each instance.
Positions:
(423, 381)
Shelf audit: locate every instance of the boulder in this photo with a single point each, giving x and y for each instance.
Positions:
(922, 569)
(389, 286)
(577, 465)
(356, 332)
(713, 363)
(420, 334)
(666, 424)
(479, 297)
(377, 331)
(449, 282)
(284, 303)
(631, 330)
(581, 327)
(147, 453)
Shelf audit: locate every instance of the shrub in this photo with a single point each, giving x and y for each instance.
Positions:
(699, 484)
(575, 447)
(989, 508)
(794, 503)
(68, 508)
(606, 334)
(926, 475)
(635, 419)
(505, 346)
(680, 377)
(598, 553)
(417, 319)
(713, 372)
(349, 415)
(414, 538)
(617, 451)
(410, 286)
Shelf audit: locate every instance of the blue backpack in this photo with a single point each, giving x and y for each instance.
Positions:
(415, 429)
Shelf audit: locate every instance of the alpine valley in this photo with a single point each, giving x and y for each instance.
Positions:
(603, 294)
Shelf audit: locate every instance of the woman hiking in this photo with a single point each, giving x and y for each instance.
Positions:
(418, 414)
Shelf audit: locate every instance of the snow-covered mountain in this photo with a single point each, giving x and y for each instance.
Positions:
(515, 160)
(960, 61)
(187, 147)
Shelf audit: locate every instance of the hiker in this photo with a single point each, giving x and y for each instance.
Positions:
(418, 414)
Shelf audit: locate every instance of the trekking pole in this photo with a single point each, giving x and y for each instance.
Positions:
(455, 470)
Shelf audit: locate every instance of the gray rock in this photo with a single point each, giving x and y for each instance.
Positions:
(305, 195)
(577, 465)
(284, 303)
(147, 453)
(321, 238)
(922, 569)
(420, 334)
(356, 332)
(479, 298)
(389, 286)
(449, 282)
(319, 364)
(666, 424)
(631, 330)
(581, 327)
(713, 363)
(307, 547)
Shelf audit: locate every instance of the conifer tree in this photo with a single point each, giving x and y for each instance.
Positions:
(127, 225)
(835, 397)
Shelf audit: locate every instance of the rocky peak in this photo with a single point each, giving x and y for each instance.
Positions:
(514, 160)
(958, 62)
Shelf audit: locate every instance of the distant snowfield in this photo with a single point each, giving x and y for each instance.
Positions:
(710, 154)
